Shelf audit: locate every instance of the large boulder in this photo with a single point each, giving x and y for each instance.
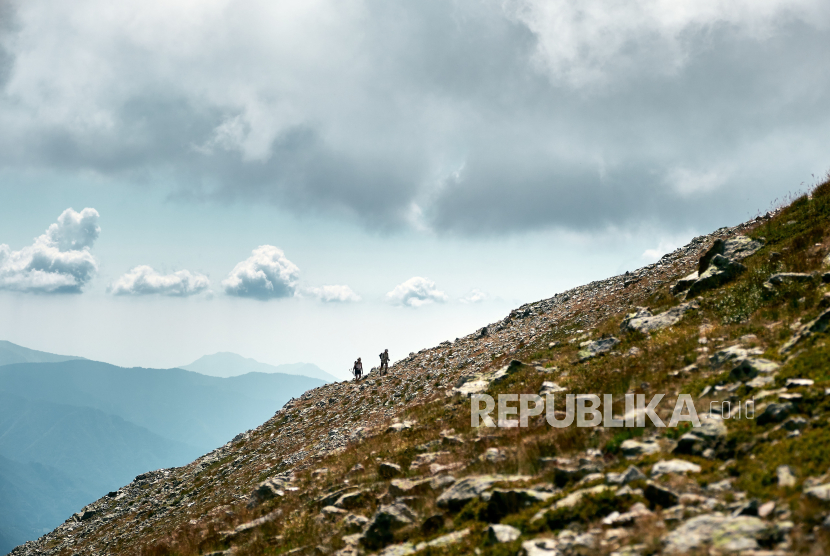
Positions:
(596, 347)
(720, 271)
(659, 495)
(678, 466)
(502, 502)
(775, 413)
(470, 488)
(643, 321)
(498, 533)
(723, 534)
(737, 249)
(388, 519)
(709, 434)
(817, 325)
(753, 366)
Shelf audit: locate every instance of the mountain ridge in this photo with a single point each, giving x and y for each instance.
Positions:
(390, 465)
(226, 364)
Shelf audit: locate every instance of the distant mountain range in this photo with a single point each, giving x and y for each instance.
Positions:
(72, 429)
(226, 364)
(12, 353)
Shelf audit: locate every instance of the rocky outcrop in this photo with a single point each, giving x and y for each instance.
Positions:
(593, 348)
(721, 533)
(644, 322)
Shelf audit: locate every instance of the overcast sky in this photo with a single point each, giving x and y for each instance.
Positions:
(316, 180)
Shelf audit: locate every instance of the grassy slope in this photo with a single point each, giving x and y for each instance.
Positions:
(203, 499)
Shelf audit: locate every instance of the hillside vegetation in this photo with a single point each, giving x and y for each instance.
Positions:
(391, 465)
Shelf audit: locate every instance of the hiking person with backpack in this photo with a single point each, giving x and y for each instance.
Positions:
(384, 362)
(358, 369)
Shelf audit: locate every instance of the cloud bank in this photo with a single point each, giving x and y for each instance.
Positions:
(266, 274)
(470, 117)
(416, 292)
(144, 280)
(59, 261)
(475, 296)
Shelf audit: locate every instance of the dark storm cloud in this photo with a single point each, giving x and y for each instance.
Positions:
(462, 117)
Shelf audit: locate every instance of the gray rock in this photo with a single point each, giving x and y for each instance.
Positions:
(353, 523)
(388, 470)
(497, 533)
(493, 455)
(789, 278)
(775, 413)
(469, 488)
(760, 381)
(659, 495)
(737, 249)
(721, 533)
(815, 326)
(795, 423)
(267, 490)
(630, 474)
(820, 492)
(388, 519)
(798, 382)
(678, 466)
(400, 427)
(643, 321)
(418, 487)
(593, 348)
(753, 366)
(632, 448)
(351, 500)
(542, 547)
(502, 502)
(720, 271)
(734, 354)
(685, 283)
(786, 478)
(708, 435)
(549, 387)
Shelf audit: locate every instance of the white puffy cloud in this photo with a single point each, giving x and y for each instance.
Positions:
(58, 261)
(415, 292)
(334, 294)
(266, 274)
(475, 296)
(144, 280)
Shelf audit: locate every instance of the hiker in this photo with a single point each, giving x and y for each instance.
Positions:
(384, 362)
(358, 369)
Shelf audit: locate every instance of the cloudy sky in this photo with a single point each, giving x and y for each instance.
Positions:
(315, 180)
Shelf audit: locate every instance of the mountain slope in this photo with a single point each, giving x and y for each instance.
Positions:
(226, 364)
(391, 465)
(12, 353)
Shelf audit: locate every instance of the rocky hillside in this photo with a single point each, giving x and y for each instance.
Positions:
(391, 465)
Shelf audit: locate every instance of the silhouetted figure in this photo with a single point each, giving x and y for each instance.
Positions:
(358, 369)
(384, 362)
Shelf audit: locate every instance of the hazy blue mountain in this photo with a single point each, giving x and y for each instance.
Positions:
(190, 408)
(226, 364)
(34, 499)
(12, 353)
(101, 451)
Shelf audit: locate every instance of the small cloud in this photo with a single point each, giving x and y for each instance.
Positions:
(415, 292)
(58, 261)
(475, 296)
(334, 294)
(144, 280)
(266, 274)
